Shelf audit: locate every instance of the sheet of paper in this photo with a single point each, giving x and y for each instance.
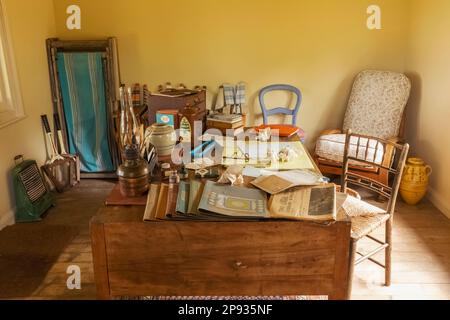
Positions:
(272, 184)
(298, 177)
(258, 154)
(252, 172)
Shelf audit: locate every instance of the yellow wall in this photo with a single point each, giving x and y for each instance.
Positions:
(428, 57)
(31, 22)
(317, 45)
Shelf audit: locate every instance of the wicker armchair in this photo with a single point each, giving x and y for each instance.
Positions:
(365, 217)
(376, 108)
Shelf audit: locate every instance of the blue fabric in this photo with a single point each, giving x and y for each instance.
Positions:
(84, 98)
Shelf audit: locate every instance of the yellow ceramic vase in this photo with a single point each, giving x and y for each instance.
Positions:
(414, 185)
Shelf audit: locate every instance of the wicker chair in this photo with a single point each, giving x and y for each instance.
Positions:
(375, 108)
(365, 217)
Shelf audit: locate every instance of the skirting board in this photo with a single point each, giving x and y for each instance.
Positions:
(439, 202)
(7, 219)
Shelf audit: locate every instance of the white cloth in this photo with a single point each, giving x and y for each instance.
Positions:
(331, 147)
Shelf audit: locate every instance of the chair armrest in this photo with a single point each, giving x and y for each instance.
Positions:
(389, 154)
(332, 131)
(349, 192)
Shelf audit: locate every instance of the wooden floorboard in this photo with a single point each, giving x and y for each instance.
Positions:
(421, 253)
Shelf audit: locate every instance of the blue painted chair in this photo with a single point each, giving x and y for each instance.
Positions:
(281, 110)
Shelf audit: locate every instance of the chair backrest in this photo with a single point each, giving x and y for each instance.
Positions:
(365, 151)
(377, 104)
(280, 110)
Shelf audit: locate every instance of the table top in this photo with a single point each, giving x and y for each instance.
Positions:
(135, 213)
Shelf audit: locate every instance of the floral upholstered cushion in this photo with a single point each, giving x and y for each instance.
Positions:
(377, 102)
(331, 147)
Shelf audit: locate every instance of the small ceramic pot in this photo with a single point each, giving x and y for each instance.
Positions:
(163, 137)
(415, 180)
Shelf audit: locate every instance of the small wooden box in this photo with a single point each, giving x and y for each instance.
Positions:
(157, 103)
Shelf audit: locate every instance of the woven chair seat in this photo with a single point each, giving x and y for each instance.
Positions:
(363, 226)
(365, 217)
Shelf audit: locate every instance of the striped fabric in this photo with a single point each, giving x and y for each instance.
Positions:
(241, 92)
(83, 92)
(229, 94)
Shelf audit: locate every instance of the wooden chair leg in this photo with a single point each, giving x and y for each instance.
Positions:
(388, 253)
(353, 247)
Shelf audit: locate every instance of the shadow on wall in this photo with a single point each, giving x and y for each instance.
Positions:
(413, 111)
(419, 148)
(336, 108)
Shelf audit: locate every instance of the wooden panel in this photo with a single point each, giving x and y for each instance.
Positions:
(115, 198)
(240, 258)
(342, 278)
(100, 261)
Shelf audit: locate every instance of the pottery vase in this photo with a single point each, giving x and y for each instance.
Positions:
(415, 180)
(162, 137)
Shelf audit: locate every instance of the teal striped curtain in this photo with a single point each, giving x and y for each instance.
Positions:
(83, 92)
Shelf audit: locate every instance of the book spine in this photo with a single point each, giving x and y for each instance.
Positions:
(223, 125)
(162, 202)
(172, 197)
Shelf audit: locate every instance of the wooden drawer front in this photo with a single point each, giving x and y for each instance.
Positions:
(222, 259)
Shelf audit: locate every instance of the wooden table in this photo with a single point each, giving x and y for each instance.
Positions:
(192, 258)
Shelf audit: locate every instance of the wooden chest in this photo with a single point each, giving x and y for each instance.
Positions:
(157, 103)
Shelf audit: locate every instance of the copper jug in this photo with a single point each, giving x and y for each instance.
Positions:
(133, 173)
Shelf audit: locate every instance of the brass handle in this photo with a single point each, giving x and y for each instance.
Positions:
(428, 170)
(240, 265)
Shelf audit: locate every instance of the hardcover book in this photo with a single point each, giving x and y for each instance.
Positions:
(183, 198)
(195, 195)
(152, 202)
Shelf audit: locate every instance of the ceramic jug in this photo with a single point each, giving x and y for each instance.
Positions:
(414, 185)
(163, 137)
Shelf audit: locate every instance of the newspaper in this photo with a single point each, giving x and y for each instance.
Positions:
(316, 203)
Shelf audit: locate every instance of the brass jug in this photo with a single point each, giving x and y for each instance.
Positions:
(133, 173)
(415, 180)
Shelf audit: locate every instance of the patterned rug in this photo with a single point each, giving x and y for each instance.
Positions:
(235, 298)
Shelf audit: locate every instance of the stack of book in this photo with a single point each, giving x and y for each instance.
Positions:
(224, 122)
(218, 202)
(206, 201)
